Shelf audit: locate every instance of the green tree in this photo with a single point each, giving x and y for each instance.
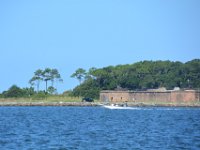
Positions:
(47, 76)
(79, 74)
(37, 78)
(141, 75)
(14, 91)
(87, 89)
(192, 69)
(51, 90)
(28, 91)
(55, 76)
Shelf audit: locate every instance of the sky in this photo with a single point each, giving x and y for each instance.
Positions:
(72, 34)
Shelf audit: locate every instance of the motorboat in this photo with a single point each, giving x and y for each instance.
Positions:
(117, 106)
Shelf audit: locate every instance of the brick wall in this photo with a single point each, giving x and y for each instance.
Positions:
(114, 96)
(134, 96)
(149, 96)
(183, 96)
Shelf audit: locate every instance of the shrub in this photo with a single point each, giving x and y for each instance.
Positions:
(14, 91)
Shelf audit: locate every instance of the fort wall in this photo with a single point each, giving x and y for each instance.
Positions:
(145, 96)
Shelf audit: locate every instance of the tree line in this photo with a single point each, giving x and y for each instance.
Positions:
(46, 75)
(138, 76)
(40, 76)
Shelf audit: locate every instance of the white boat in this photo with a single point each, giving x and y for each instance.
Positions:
(115, 106)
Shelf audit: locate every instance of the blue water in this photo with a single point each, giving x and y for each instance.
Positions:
(85, 128)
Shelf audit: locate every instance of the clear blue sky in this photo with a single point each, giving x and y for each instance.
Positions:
(68, 34)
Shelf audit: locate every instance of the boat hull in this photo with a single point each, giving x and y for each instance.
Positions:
(117, 107)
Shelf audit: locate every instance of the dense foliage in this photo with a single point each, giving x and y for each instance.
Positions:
(15, 92)
(139, 76)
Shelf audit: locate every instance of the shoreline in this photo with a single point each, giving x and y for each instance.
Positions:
(47, 104)
(94, 104)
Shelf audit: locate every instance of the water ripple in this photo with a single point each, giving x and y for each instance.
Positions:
(61, 128)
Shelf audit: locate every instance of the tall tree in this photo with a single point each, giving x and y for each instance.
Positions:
(79, 74)
(37, 78)
(55, 76)
(47, 76)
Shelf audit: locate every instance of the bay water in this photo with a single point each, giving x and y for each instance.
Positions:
(63, 128)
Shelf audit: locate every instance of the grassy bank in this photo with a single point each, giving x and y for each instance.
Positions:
(45, 99)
